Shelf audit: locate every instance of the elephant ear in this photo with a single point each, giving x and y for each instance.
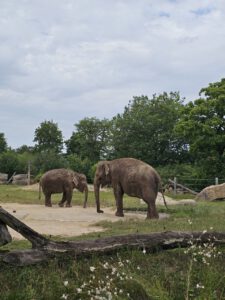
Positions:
(106, 166)
(75, 181)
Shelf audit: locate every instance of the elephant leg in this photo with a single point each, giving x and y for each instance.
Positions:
(118, 193)
(69, 195)
(61, 203)
(48, 202)
(152, 211)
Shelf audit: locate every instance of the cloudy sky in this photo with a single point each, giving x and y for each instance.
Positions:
(64, 60)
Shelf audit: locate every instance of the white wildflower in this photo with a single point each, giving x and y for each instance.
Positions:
(66, 282)
(92, 269)
(64, 296)
(79, 290)
(144, 251)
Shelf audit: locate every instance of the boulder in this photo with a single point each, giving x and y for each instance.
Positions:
(3, 178)
(212, 192)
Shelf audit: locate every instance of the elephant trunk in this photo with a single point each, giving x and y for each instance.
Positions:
(85, 196)
(96, 189)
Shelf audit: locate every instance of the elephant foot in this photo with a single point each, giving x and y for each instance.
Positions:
(119, 214)
(68, 205)
(100, 211)
(48, 204)
(61, 204)
(152, 217)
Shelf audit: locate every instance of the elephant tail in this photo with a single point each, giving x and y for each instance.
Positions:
(164, 200)
(162, 192)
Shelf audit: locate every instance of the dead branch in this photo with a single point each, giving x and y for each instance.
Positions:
(45, 249)
(182, 187)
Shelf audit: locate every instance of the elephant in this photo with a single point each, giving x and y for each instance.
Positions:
(131, 176)
(62, 181)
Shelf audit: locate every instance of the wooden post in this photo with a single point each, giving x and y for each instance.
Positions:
(175, 185)
(28, 173)
(216, 181)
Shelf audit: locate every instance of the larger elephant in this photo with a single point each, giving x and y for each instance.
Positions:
(130, 176)
(63, 181)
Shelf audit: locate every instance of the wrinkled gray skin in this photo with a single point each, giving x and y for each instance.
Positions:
(62, 181)
(128, 176)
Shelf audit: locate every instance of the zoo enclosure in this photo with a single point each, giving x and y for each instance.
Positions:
(194, 184)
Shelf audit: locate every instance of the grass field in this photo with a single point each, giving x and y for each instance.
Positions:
(193, 273)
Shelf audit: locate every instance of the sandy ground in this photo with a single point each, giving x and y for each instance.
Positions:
(71, 221)
(62, 221)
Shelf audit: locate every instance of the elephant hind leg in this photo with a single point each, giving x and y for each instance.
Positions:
(48, 202)
(61, 203)
(152, 211)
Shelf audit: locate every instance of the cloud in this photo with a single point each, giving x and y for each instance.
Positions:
(66, 60)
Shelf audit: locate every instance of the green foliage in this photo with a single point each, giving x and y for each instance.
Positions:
(3, 143)
(146, 130)
(164, 275)
(48, 137)
(47, 160)
(202, 123)
(90, 140)
(9, 163)
(80, 165)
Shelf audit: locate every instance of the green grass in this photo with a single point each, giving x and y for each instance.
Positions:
(163, 275)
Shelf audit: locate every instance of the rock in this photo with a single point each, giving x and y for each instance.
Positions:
(212, 192)
(3, 178)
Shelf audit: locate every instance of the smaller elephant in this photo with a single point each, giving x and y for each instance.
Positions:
(128, 176)
(62, 181)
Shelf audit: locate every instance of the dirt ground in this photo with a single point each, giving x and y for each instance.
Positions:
(71, 221)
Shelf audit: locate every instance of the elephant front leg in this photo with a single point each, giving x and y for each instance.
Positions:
(118, 193)
(69, 198)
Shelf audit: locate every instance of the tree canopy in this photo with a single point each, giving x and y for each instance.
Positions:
(146, 129)
(90, 139)
(48, 137)
(3, 143)
(202, 123)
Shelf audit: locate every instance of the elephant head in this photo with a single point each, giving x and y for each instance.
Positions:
(102, 178)
(80, 182)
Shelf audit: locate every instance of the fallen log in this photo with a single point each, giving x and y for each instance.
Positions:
(44, 249)
(144, 242)
(182, 187)
(36, 239)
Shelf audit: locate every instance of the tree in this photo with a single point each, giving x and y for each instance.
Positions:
(48, 137)
(3, 143)
(90, 140)
(9, 163)
(203, 126)
(146, 130)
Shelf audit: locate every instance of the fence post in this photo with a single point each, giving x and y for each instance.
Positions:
(216, 181)
(28, 173)
(175, 185)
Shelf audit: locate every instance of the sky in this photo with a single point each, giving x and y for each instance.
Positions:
(65, 60)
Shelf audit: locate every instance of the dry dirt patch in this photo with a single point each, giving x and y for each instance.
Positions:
(56, 220)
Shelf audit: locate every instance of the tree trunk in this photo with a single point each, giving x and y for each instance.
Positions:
(45, 248)
(5, 236)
